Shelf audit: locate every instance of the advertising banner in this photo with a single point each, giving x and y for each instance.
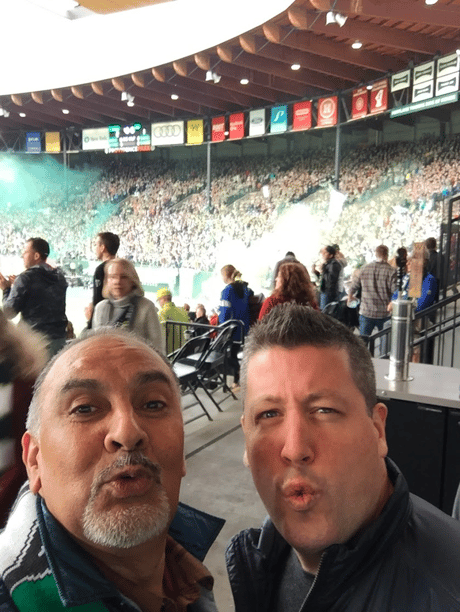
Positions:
(400, 80)
(447, 84)
(168, 133)
(379, 97)
(195, 131)
(52, 142)
(278, 119)
(236, 126)
(218, 129)
(257, 122)
(33, 142)
(447, 65)
(95, 139)
(359, 103)
(424, 91)
(423, 73)
(327, 111)
(301, 115)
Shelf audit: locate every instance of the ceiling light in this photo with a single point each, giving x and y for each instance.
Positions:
(174, 97)
(22, 115)
(332, 17)
(4, 112)
(216, 77)
(124, 96)
(368, 86)
(244, 81)
(130, 103)
(295, 67)
(430, 2)
(212, 76)
(357, 44)
(209, 75)
(65, 111)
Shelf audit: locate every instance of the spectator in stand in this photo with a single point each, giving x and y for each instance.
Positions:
(125, 305)
(434, 263)
(234, 304)
(105, 247)
(175, 334)
(292, 284)
(330, 276)
(289, 257)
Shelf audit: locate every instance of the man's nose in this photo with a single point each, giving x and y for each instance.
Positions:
(125, 431)
(297, 443)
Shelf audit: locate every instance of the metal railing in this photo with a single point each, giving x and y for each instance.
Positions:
(177, 333)
(434, 338)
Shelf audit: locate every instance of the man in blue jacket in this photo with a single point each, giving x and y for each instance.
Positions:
(104, 452)
(343, 533)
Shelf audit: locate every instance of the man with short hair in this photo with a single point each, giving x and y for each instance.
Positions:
(105, 247)
(39, 294)
(377, 282)
(343, 534)
(175, 335)
(104, 452)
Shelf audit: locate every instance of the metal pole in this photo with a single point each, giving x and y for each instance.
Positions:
(338, 131)
(208, 175)
(64, 151)
(401, 339)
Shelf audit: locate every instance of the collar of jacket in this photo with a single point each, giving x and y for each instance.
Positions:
(78, 579)
(344, 563)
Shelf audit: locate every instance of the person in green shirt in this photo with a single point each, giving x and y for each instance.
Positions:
(175, 334)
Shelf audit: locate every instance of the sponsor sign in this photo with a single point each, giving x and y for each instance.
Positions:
(423, 73)
(128, 138)
(423, 91)
(379, 97)
(168, 133)
(278, 119)
(52, 142)
(327, 111)
(301, 115)
(33, 142)
(195, 131)
(447, 65)
(95, 139)
(425, 105)
(359, 103)
(218, 129)
(236, 126)
(447, 84)
(257, 122)
(400, 80)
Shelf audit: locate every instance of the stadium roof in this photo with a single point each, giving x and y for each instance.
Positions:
(82, 58)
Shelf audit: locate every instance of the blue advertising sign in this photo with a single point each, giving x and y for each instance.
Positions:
(278, 122)
(33, 142)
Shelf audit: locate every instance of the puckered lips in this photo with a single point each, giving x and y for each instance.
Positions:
(299, 494)
(131, 481)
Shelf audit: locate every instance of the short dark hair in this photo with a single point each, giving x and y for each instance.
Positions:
(110, 241)
(430, 243)
(40, 246)
(331, 250)
(291, 326)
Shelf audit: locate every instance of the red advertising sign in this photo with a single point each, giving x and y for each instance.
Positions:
(236, 126)
(359, 103)
(301, 115)
(379, 97)
(218, 129)
(327, 111)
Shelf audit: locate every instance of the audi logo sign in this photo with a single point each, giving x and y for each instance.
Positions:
(168, 133)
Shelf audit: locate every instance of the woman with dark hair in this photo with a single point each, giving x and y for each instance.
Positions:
(126, 306)
(292, 284)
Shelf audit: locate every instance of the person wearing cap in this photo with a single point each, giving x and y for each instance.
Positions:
(39, 294)
(175, 334)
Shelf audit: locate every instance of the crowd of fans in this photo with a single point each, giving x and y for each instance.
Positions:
(165, 218)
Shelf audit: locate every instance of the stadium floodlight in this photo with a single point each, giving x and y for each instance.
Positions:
(209, 75)
(337, 18)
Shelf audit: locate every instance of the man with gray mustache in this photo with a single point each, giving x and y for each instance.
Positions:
(343, 534)
(99, 526)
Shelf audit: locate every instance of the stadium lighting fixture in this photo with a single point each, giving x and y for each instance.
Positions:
(337, 18)
(22, 115)
(174, 97)
(244, 81)
(295, 67)
(4, 112)
(130, 102)
(357, 44)
(65, 111)
(212, 76)
(430, 2)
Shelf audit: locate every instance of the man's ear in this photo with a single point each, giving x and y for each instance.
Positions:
(30, 450)
(379, 416)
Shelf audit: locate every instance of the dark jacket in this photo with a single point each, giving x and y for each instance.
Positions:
(408, 560)
(330, 278)
(39, 295)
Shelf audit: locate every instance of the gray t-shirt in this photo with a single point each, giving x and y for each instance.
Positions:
(293, 586)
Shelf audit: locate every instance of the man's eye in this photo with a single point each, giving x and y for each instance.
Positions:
(154, 405)
(83, 409)
(326, 410)
(267, 414)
